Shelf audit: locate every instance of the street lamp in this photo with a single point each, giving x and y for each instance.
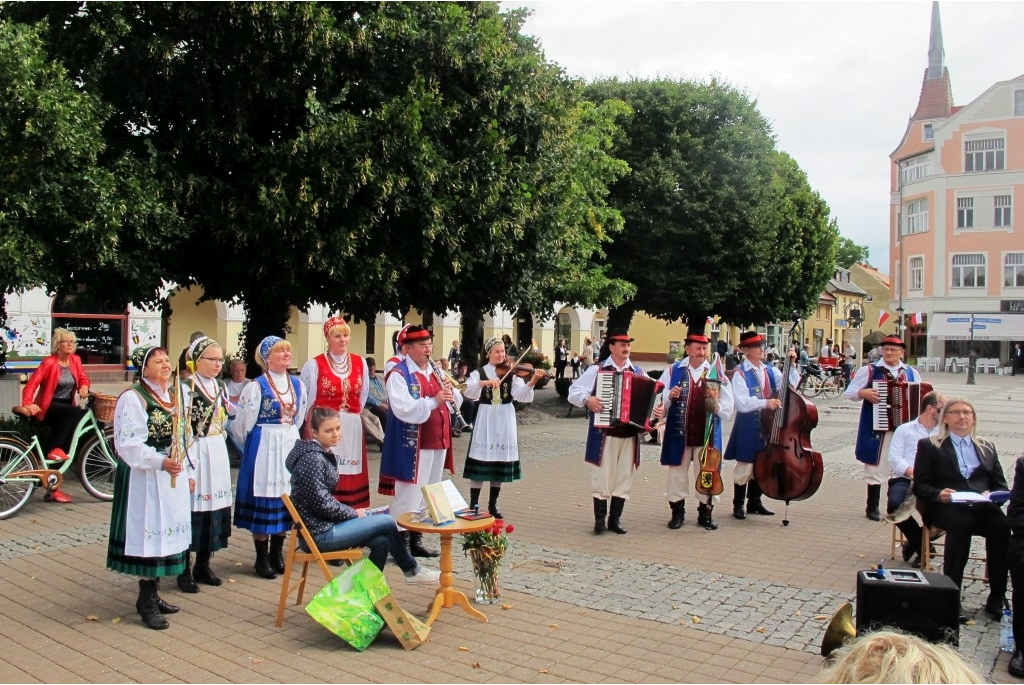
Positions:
(854, 318)
(899, 320)
(971, 355)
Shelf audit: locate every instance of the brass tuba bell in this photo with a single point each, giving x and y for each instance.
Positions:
(840, 629)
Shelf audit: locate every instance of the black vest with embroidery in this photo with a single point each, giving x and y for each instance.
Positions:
(159, 419)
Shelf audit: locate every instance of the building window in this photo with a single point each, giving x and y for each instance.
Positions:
(917, 216)
(1013, 270)
(987, 154)
(916, 169)
(1003, 215)
(965, 212)
(929, 132)
(968, 271)
(1018, 103)
(916, 265)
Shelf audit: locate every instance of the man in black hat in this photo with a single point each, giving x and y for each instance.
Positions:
(613, 452)
(692, 387)
(755, 387)
(873, 446)
(418, 438)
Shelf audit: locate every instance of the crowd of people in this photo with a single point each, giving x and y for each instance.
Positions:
(174, 506)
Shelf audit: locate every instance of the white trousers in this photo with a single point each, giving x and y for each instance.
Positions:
(742, 474)
(614, 477)
(879, 475)
(408, 496)
(679, 481)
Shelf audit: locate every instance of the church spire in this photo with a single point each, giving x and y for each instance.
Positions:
(936, 100)
(936, 55)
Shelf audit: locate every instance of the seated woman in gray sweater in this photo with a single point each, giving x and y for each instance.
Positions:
(334, 525)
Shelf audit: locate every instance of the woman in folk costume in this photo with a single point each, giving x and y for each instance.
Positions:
(207, 464)
(339, 380)
(494, 443)
(150, 521)
(266, 422)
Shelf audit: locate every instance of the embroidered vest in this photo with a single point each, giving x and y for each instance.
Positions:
(686, 418)
(271, 410)
(505, 390)
(869, 441)
(747, 437)
(596, 436)
(403, 441)
(206, 416)
(337, 393)
(159, 419)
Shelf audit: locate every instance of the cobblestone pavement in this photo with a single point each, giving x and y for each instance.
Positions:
(745, 603)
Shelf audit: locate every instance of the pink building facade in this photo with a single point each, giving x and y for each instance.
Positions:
(956, 232)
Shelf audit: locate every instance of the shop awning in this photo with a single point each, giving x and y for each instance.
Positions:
(986, 326)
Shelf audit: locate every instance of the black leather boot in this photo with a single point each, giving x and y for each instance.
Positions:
(203, 573)
(492, 503)
(263, 569)
(739, 493)
(874, 495)
(600, 513)
(147, 607)
(754, 505)
(474, 499)
(277, 553)
(678, 514)
(614, 513)
(704, 516)
(163, 606)
(185, 580)
(417, 549)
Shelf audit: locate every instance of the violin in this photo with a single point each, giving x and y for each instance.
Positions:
(524, 371)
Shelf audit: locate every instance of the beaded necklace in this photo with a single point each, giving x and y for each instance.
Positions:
(341, 368)
(287, 408)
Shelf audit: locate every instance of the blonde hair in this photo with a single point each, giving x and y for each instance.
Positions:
(59, 336)
(944, 428)
(890, 656)
(343, 327)
(279, 345)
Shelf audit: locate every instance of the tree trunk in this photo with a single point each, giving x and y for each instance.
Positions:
(621, 316)
(472, 335)
(265, 314)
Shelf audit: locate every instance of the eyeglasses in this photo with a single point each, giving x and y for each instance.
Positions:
(215, 360)
(960, 412)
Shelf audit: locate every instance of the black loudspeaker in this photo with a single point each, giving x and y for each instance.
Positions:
(924, 604)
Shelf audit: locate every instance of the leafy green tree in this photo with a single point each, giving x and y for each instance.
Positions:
(368, 156)
(717, 221)
(63, 200)
(849, 253)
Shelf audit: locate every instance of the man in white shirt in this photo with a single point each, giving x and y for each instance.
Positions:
(613, 452)
(902, 452)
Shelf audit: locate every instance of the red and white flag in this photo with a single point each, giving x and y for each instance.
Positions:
(882, 318)
(917, 319)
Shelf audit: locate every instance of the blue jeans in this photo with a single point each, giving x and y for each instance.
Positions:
(378, 532)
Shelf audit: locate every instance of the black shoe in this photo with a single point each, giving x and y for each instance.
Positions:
(614, 513)
(758, 508)
(417, 549)
(678, 514)
(874, 514)
(600, 513)
(276, 553)
(187, 583)
(963, 618)
(202, 573)
(147, 607)
(1016, 667)
(263, 569)
(994, 606)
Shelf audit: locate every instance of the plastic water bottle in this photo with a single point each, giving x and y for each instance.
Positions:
(880, 571)
(1006, 632)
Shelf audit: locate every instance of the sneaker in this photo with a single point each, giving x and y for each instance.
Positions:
(57, 454)
(425, 576)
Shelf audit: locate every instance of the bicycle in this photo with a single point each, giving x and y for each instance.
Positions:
(834, 384)
(24, 465)
(811, 381)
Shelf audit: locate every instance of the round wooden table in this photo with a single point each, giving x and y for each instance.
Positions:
(447, 596)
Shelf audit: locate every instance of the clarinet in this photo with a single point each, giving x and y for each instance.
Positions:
(458, 423)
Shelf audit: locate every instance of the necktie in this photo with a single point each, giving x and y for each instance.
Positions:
(961, 447)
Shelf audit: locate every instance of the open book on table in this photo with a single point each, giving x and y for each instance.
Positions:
(443, 500)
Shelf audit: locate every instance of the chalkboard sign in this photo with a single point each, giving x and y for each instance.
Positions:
(100, 340)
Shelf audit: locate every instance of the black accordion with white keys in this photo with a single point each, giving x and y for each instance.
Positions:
(629, 399)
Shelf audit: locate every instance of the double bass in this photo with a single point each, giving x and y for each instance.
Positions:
(788, 468)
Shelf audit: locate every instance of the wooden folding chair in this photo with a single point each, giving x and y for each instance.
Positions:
(314, 554)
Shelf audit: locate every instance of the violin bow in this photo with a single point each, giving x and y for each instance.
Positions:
(533, 344)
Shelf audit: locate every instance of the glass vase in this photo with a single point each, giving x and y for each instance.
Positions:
(485, 568)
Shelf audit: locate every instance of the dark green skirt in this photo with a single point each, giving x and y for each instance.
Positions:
(492, 471)
(117, 560)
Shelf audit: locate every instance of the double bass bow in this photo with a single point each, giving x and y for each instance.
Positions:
(788, 468)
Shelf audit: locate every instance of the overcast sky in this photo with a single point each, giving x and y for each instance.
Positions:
(838, 80)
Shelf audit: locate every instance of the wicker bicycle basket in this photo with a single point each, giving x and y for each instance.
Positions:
(103, 407)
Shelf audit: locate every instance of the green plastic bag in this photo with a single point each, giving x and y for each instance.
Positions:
(345, 606)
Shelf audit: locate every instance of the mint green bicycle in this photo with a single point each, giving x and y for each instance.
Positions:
(24, 466)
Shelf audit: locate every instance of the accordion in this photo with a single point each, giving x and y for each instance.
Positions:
(629, 400)
(899, 403)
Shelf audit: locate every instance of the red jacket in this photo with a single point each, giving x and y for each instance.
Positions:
(45, 380)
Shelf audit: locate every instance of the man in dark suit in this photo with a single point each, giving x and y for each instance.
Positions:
(1016, 357)
(957, 460)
